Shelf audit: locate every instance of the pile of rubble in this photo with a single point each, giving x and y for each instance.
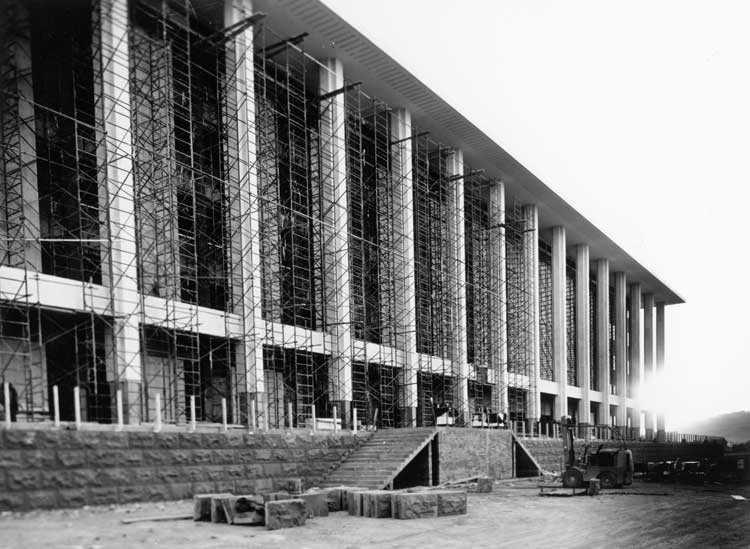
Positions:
(285, 510)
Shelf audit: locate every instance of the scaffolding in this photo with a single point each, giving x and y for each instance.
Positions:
(287, 247)
(520, 325)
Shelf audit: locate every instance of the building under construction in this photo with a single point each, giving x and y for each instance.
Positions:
(248, 203)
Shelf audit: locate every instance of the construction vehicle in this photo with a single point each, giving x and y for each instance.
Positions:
(612, 466)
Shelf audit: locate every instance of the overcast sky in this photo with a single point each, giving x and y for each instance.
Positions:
(638, 114)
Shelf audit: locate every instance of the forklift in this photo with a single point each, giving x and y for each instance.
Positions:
(612, 466)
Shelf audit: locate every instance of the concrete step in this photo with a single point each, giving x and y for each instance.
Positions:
(378, 459)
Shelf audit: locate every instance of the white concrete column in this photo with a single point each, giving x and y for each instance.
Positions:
(457, 238)
(498, 295)
(635, 354)
(660, 420)
(19, 195)
(648, 355)
(602, 334)
(621, 345)
(335, 232)
(405, 266)
(116, 157)
(531, 276)
(583, 335)
(249, 351)
(559, 332)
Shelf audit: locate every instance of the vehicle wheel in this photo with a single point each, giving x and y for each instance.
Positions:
(608, 480)
(572, 478)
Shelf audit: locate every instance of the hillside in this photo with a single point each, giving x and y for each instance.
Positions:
(735, 426)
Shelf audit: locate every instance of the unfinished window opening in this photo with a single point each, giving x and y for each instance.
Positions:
(178, 92)
(66, 140)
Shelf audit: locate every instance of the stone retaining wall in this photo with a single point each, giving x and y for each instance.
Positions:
(61, 468)
(548, 452)
(468, 452)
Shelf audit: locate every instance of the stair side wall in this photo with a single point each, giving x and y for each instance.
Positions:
(469, 452)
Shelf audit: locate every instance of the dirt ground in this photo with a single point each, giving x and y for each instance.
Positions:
(513, 515)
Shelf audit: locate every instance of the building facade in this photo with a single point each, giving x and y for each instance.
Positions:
(248, 204)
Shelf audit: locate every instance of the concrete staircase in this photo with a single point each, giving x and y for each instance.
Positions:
(377, 462)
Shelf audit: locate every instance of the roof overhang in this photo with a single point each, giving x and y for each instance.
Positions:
(386, 79)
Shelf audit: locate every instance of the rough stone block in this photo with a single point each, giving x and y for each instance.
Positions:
(156, 492)
(12, 501)
(285, 513)
(291, 485)
(333, 498)
(246, 455)
(130, 493)
(167, 441)
(484, 485)
(102, 440)
(18, 439)
(214, 440)
(72, 498)
(22, 479)
(451, 502)
(102, 496)
(254, 470)
(104, 457)
(202, 505)
(11, 458)
(201, 457)
(83, 478)
(114, 477)
(180, 457)
(142, 475)
(217, 509)
(377, 503)
(183, 490)
(316, 503)
(131, 458)
(354, 501)
(141, 439)
(42, 499)
(157, 457)
(415, 505)
(190, 440)
(262, 454)
(71, 458)
(244, 486)
(223, 457)
(55, 479)
(275, 496)
(42, 459)
(225, 486)
(244, 509)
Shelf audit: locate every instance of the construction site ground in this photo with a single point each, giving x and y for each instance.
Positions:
(513, 515)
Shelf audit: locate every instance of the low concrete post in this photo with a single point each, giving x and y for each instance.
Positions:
(56, 405)
(157, 406)
(354, 421)
(523, 429)
(335, 420)
(77, 406)
(118, 397)
(252, 416)
(314, 419)
(223, 415)
(6, 406)
(192, 413)
(289, 415)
